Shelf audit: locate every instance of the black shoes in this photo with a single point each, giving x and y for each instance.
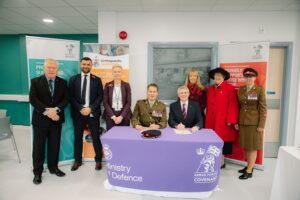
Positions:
(37, 179)
(243, 170)
(245, 176)
(76, 165)
(98, 166)
(57, 172)
(223, 166)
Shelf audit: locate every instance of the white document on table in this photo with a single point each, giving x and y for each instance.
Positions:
(182, 132)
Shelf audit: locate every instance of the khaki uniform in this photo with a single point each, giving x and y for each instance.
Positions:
(253, 112)
(146, 115)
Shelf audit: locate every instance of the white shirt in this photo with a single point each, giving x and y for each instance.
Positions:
(186, 105)
(87, 93)
(117, 98)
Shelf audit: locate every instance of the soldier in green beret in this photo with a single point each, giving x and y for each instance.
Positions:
(149, 113)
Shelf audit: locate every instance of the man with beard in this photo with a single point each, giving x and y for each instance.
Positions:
(86, 93)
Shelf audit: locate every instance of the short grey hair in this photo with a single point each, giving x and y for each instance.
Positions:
(183, 87)
(50, 60)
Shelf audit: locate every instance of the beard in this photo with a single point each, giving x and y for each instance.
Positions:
(85, 70)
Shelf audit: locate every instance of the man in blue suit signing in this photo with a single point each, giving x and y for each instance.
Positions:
(184, 113)
(86, 94)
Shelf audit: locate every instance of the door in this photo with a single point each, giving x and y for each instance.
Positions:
(275, 80)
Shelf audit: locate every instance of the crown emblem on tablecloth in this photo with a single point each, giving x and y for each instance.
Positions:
(200, 151)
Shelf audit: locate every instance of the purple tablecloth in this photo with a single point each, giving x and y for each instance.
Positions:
(172, 162)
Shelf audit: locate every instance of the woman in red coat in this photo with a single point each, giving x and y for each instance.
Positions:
(197, 90)
(222, 109)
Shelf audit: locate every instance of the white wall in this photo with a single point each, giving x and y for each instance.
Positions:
(222, 27)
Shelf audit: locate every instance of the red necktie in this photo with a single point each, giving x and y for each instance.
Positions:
(183, 111)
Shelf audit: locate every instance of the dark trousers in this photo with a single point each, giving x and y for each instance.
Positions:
(93, 124)
(110, 123)
(50, 132)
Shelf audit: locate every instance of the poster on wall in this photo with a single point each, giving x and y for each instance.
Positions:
(104, 57)
(235, 58)
(66, 52)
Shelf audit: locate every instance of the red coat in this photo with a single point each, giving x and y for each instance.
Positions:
(222, 108)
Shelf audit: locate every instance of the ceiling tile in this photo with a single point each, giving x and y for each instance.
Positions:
(234, 2)
(2, 31)
(84, 26)
(195, 8)
(81, 16)
(265, 7)
(13, 27)
(85, 2)
(73, 20)
(21, 20)
(7, 12)
(29, 11)
(125, 2)
(93, 19)
(292, 6)
(196, 2)
(15, 3)
(3, 21)
(90, 31)
(88, 11)
(62, 11)
(160, 5)
(230, 7)
(48, 3)
(125, 8)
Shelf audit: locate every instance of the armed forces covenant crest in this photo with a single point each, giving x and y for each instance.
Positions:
(206, 172)
(107, 152)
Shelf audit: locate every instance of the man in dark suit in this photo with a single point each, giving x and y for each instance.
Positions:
(86, 93)
(184, 113)
(49, 96)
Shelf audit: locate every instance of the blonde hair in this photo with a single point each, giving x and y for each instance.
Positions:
(116, 66)
(187, 81)
(183, 87)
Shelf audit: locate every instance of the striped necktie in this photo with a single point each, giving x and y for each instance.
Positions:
(51, 87)
(183, 111)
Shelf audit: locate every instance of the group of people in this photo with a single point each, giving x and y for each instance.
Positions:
(220, 107)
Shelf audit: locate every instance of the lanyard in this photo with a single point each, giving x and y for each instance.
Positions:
(117, 97)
